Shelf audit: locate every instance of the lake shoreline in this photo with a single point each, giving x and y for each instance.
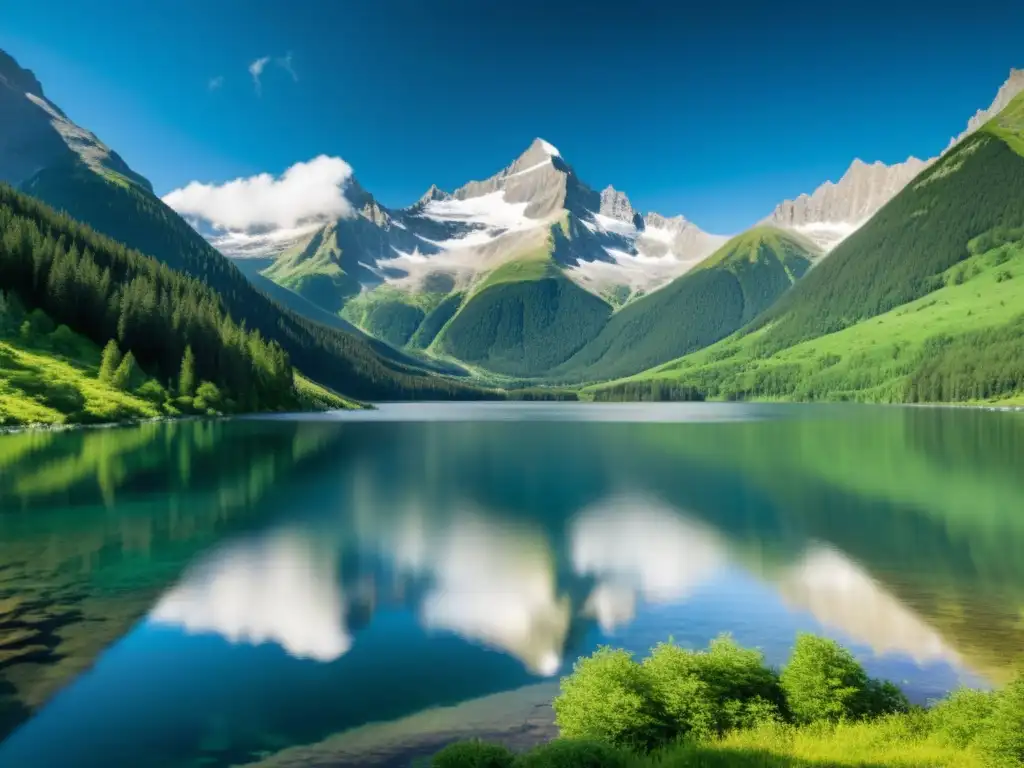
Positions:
(519, 719)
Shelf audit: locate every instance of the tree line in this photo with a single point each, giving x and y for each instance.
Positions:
(346, 362)
(169, 323)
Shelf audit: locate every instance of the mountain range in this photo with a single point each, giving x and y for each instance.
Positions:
(530, 276)
(834, 211)
(490, 274)
(44, 154)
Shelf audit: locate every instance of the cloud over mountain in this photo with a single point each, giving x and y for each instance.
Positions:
(305, 193)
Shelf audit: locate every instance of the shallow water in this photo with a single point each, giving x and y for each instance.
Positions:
(211, 593)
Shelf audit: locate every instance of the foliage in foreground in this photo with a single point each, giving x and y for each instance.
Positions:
(725, 707)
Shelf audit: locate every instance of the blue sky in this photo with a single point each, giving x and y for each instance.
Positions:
(713, 110)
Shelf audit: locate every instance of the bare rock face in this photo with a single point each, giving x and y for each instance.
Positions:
(835, 210)
(434, 193)
(615, 205)
(35, 134)
(1007, 92)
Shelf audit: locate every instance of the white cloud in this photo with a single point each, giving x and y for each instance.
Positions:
(215, 83)
(285, 63)
(305, 193)
(256, 69)
(280, 589)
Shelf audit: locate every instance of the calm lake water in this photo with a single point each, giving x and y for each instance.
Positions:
(261, 591)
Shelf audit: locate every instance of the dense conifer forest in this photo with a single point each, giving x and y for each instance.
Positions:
(343, 361)
(171, 325)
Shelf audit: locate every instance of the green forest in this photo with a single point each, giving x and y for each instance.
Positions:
(524, 326)
(708, 303)
(898, 255)
(346, 362)
(171, 326)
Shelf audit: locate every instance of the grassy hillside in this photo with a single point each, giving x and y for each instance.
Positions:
(313, 271)
(391, 314)
(923, 304)
(164, 324)
(53, 378)
(724, 292)
(960, 343)
(923, 231)
(435, 320)
(346, 362)
(523, 318)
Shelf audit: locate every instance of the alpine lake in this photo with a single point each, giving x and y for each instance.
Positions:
(362, 588)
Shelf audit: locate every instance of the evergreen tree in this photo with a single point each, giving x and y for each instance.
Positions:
(187, 374)
(111, 360)
(125, 372)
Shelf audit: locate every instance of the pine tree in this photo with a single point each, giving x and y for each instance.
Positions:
(125, 372)
(187, 375)
(111, 360)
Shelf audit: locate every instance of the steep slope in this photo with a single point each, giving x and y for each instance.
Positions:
(923, 303)
(834, 211)
(923, 231)
(155, 317)
(721, 294)
(524, 318)
(93, 185)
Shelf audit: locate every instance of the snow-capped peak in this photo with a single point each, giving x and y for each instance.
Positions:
(549, 148)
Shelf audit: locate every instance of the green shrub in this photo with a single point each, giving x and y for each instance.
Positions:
(571, 753)
(609, 697)
(473, 754)
(715, 690)
(1002, 739)
(64, 340)
(152, 390)
(207, 397)
(882, 697)
(823, 681)
(39, 324)
(961, 717)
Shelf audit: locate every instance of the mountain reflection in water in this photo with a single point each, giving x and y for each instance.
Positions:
(297, 578)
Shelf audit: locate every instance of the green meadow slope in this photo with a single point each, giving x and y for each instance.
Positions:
(711, 301)
(48, 377)
(922, 304)
(524, 318)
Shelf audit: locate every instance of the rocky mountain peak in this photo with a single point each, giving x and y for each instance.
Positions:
(1013, 85)
(16, 78)
(434, 193)
(671, 223)
(616, 205)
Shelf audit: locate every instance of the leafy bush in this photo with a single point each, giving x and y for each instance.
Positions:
(609, 697)
(712, 691)
(883, 697)
(473, 754)
(207, 397)
(570, 753)
(1002, 739)
(823, 681)
(152, 391)
(962, 716)
(64, 340)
